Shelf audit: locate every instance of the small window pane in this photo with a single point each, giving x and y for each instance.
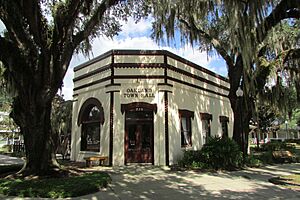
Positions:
(186, 135)
(224, 128)
(90, 137)
(206, 130)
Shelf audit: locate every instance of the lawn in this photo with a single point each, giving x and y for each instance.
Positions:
(290, 181)
(72, 186)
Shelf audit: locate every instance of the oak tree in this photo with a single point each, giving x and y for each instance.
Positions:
(36, 50)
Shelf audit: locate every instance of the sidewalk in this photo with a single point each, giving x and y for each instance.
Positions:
(7, 160)
(150, 182)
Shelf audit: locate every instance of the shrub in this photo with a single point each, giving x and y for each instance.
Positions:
(222, 153)
(253, 161)
(190, 157)
(267, 157)
(275, 146)
(218, 153)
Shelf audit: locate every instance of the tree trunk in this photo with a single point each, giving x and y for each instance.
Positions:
(35, 125)
(238, 106)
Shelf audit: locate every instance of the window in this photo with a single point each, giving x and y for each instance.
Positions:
(206, 118)
(186, 127)
(91, 117)
(90, 134)
(224, 124)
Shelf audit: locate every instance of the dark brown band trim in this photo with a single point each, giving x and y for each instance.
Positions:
(167, 84)
(199, 78)
(98, 58)
(196, 86)
(184, 61)
(92, 83)
(115, 84)
(99, 70)
(149, 77)
(139, 65)
(138, 77)
(149, 52)
(169, 54)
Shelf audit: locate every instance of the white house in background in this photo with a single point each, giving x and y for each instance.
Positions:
(146, 106)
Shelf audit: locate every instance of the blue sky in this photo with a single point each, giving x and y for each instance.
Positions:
(137, 36)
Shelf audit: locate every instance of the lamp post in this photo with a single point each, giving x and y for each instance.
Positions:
(239, 94)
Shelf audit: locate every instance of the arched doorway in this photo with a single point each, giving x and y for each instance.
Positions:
(139, 137)
(90, 117)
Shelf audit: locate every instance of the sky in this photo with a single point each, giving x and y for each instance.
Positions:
(137, 36)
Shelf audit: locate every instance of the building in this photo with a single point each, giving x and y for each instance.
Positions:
(144, 106)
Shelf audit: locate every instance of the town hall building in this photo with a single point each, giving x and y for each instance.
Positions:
(146, 106)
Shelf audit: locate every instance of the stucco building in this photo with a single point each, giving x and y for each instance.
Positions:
(144, 106)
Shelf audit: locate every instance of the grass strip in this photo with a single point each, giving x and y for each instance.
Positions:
(55, 187)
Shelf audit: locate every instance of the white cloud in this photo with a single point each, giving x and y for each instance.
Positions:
(133, 29)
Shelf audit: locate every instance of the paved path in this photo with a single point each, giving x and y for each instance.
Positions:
(7, 160)
(148, 182)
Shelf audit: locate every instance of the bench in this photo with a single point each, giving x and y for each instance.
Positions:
(90, 159)
(283, 155)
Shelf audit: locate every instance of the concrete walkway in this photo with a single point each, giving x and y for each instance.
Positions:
(149, 182)
(7, 160)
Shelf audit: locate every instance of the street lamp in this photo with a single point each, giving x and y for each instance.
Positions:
(239, 93)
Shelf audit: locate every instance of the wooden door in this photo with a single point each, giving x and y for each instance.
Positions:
(139, 138)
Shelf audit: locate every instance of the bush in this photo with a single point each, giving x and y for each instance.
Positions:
(222, 153)
(218, 153)
(267, 157)
(297, 141)
(190, 157)
(253, 161)
(275, 146)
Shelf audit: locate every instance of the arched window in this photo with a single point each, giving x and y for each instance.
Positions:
(91, 117)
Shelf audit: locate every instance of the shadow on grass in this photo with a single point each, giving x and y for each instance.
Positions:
(55, 187)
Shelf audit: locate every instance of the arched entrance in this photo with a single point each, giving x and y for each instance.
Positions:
(139, 137)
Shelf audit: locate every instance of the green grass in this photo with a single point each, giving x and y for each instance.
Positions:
(290, 181)
(295, 179)
(55, 187)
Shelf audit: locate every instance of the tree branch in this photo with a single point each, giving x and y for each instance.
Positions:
(292, 54)
(15, 27)
(216, 43)
(94, 20)
(36, 21)
(12, 60)
(284, 10)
